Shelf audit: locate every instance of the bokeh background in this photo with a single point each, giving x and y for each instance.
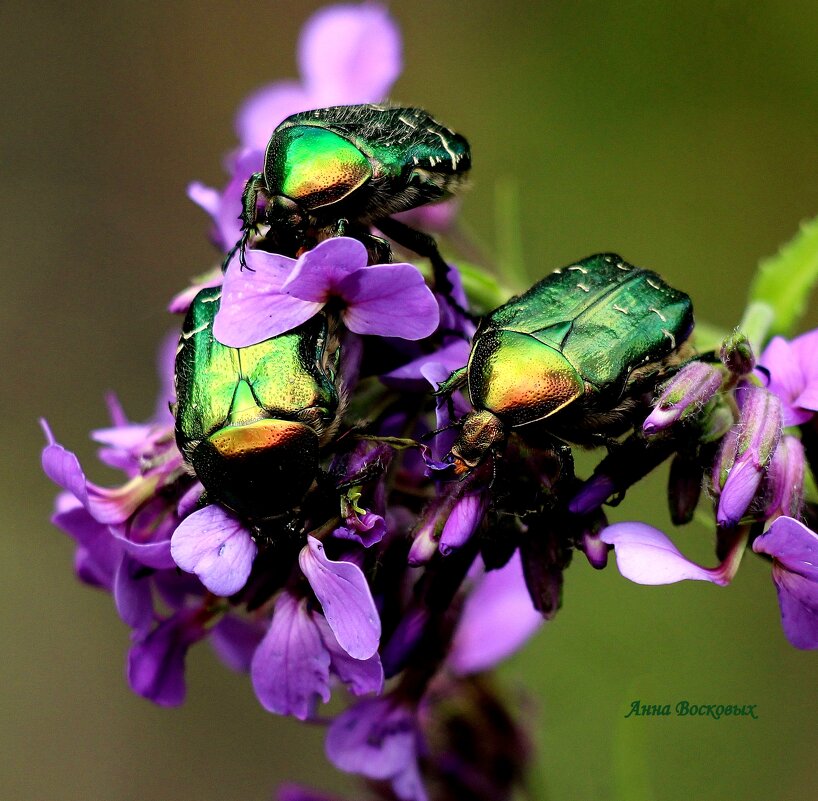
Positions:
(681, 135)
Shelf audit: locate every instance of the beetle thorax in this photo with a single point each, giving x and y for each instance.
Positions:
(480, 432)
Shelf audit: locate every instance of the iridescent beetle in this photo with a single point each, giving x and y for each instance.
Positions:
(250, 421)
(576, 356)
(336, 171)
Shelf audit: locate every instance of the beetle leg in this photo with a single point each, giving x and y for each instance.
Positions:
(454, 382)
(426, 246)
(254, 187)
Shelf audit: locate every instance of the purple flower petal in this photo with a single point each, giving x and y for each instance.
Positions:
(205, 197)
(389, 300)
(593, 493)
(262, 112)
(361, 676)
(463, 521)
(792, 544)
(105, 505)
(786, 377)
(794, 549)
(349, 54)
(319, 273)
(498, 617)
(63, 467)
(345, 598)
(808, 401)
(798, 601)
(253, 307)
(738, 492)
(375, 738)
(433, 217)
(216, 547)
(132, 594)
(156, 664)
(99, 555)
(368, 530)
(290, 668)
(235, 640)
(646, 556)
(151, 554)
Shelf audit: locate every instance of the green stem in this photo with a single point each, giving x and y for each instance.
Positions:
(756, 323)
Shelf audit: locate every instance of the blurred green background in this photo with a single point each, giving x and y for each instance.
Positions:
(681, 135)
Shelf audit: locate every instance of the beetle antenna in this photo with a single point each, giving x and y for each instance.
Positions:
(429, 434)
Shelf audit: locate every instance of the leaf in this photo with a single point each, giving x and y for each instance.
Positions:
(784, 281)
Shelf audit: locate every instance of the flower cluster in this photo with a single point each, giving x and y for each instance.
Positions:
(378, 552)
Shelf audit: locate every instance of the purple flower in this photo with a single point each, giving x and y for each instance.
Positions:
(497, 618)
(220, 550)
(746, 452)
(379, 738)
(347, 54)
(683, 395)
(794, 549)
(291, 667)
(646, 556)
(366, 528)
(278, 293)
(156, 661)
(793, 375)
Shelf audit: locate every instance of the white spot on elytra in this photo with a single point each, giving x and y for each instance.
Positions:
(189, 334)
(452, 155)
(661, 316)
(583, 287)
(580, 269)
(654, 285)
(620, 309)
(670, 337)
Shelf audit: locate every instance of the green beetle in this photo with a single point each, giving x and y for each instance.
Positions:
(334, 171)
(575, 356)
(250, 421)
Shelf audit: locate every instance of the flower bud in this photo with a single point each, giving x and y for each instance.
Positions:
(463, 521)
(785, 480)
(683, 395)
(746, 453)
(684, 487)
(737, 354)
(595, 550)
(593, 493)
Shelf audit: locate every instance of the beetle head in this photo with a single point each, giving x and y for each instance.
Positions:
(480, 432)
(284, 215)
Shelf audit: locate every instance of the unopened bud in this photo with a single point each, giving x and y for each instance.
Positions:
(595, 550)
(737, 354)
(785, 480)
(685, 394)
(593, 493)
(746, 452)
(684, 487)
(463, 521)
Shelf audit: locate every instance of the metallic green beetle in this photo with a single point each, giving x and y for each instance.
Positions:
(575, 356)
(250, 421)
(335, 171)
